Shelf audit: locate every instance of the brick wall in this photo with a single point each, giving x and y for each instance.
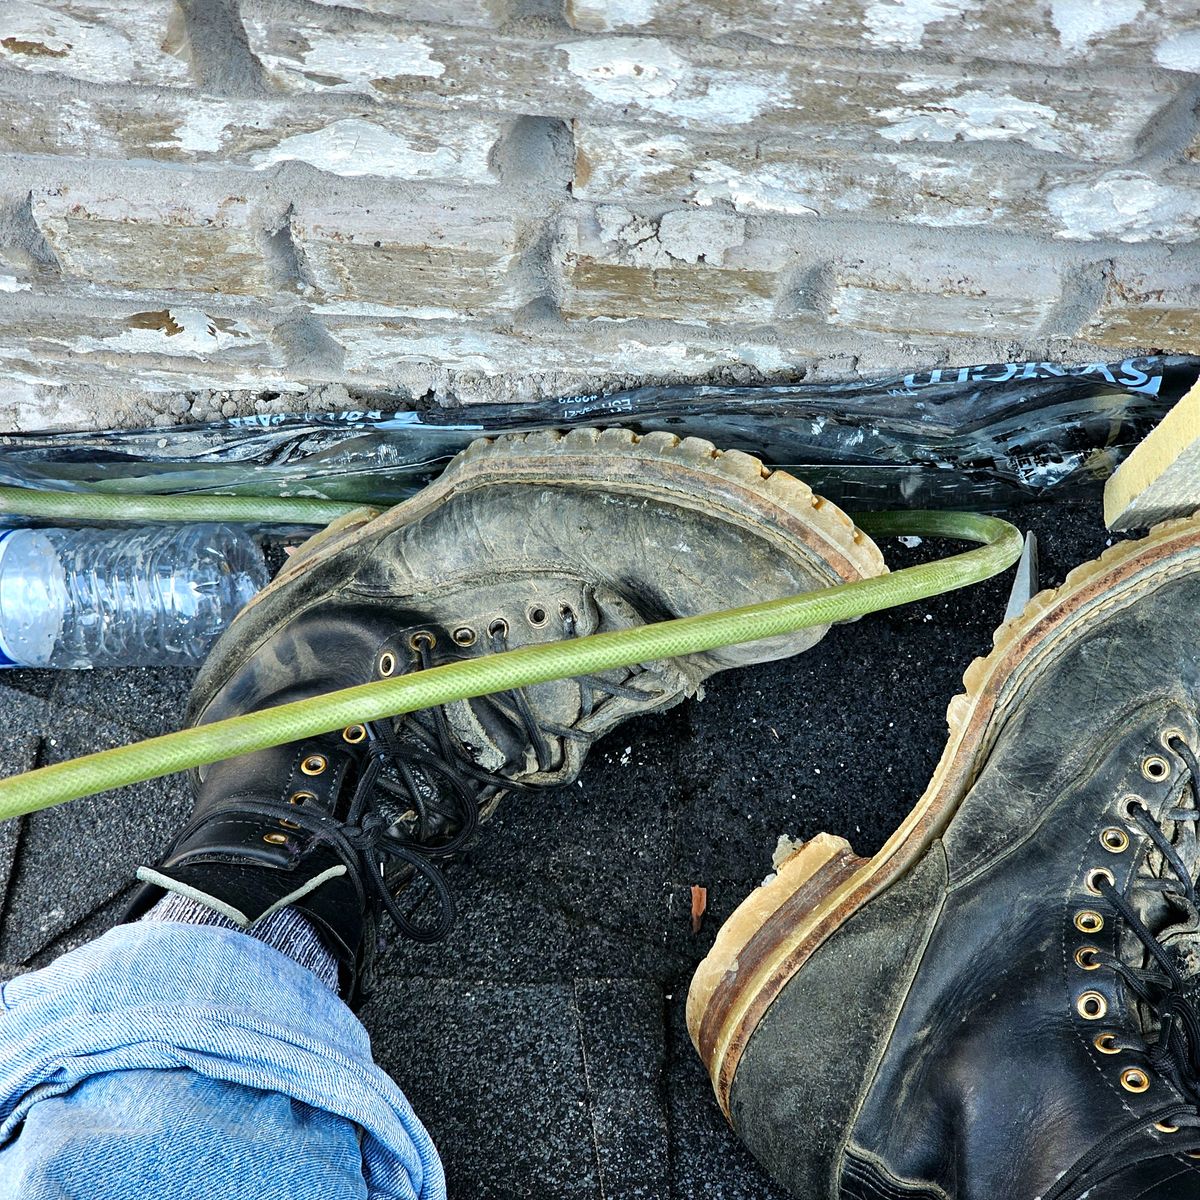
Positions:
(207, 202)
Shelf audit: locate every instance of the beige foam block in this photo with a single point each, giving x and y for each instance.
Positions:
(1161, 478)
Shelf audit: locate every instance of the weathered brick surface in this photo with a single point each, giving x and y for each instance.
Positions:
(349, 137)
(702, 85)
(1058, 33)
(1149, 308)
(516, 198)
(45, 343)
(112, 41)
(422, 355)
(921, 186)
(207, 246)
(488, 14)
(685, 265)
(943, 297)
(435, 260)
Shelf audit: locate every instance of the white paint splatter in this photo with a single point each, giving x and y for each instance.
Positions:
(183, 333)
(612, 14)
(901, 24)
(768, 189)
(1128, 206)
(618, 70)
(611, 220)
(10, 283)
(202, 128)
(1079, 22)
(348, 61)
(690, 236)
(1181, 52)
(646, 72)
(975, 116)
(724, 103)
(768, 359)
(357, 147)
(118, 42)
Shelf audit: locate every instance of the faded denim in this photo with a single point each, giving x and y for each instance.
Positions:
(171, 1060)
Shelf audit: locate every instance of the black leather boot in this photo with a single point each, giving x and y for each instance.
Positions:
(526, 539)
(1005, 1001)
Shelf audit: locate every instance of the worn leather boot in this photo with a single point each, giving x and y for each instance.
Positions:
(1004, 1002)
(525, 539)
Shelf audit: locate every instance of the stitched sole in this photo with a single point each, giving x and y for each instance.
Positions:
(771, 935)
(688, 472)
(656, 464)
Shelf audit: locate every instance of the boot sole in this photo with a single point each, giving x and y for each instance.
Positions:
(688, 471)
(822, 884)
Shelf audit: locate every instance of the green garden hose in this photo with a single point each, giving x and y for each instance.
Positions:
(524, 667)
(90, 507)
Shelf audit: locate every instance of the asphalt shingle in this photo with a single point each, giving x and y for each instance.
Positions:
(544, 1042)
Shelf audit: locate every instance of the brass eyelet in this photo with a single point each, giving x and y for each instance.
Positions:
(464, 635)
(387, 663)
(302, 797)
(314, 764)
(1114, 840)
(498, 628)
(1163, 1127)
(536, 615)
(1087, 921)
(354, 734)
(1106, 1043)
(1099, 873)
(1134, 1079)
(1193, 1153)
(1172, 734)
(1130, 803)
(422, 640)
(288, 824)
(1091, 1006)
(275, 839)
(1085, 958)
(1155, 768)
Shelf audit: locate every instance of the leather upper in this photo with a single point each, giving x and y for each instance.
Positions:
(991, 1083)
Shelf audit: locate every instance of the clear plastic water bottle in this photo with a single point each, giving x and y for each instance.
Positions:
(122, 597)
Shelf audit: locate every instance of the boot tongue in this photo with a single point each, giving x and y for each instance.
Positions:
(1172, 919)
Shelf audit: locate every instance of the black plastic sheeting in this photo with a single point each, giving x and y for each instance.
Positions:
(971, 437)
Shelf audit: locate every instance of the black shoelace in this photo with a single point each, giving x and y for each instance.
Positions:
(441, 819)
(1175, 1054)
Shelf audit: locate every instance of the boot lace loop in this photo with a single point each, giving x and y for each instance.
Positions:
(446, 817)
(1175, 1054)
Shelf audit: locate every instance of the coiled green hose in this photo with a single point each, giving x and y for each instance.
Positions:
(524, 667)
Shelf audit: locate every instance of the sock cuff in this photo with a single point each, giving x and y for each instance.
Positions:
(286, 929)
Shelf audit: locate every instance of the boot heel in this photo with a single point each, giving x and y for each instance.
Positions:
(746, 951)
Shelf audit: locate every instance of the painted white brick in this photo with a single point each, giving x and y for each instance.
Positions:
(1128, 206)
(1141, 308)
(178, 346)
(425, 260)
(349, 140)
(419, 354)
(915, 186)
(986, 297)
(108, 41)
(704, 85)
(1050, 32)
(171, 242)
(686, 265)
(486, 14)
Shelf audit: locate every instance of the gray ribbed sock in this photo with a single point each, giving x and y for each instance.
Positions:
(287, 930)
